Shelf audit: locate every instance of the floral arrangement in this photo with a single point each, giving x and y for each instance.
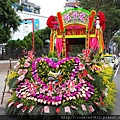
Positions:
(72, 86)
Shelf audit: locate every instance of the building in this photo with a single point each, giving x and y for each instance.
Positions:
(28, 6)
(71, 3)
(30, 11)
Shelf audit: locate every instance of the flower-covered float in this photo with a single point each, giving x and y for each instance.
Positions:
(71, 86)
(74, 84)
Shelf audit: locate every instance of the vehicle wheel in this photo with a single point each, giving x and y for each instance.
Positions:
(114, 67)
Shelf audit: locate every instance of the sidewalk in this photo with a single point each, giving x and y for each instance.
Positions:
(6, 64)
(2, 83)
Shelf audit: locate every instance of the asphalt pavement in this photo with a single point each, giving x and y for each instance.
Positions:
(3, 74)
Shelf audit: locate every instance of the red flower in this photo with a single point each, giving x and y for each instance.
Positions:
(102, 103)
(16, 103)
(24, 108)
(57, 110)
(80, 76)
(84, 72)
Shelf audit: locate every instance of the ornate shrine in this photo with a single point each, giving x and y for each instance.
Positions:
(79, 25)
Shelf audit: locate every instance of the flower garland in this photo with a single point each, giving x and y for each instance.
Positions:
(66, 91)
(65, 87)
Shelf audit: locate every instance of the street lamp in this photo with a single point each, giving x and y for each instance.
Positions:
(33, 41)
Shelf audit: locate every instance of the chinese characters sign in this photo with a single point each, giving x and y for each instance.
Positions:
(75, 16)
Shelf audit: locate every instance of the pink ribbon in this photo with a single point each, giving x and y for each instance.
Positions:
(59, 46)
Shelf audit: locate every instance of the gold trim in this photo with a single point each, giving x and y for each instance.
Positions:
(75, 36)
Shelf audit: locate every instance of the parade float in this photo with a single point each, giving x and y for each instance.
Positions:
(75, 84)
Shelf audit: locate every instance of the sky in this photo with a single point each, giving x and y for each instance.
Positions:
(49, 7)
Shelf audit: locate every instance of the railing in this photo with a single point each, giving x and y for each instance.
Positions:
(18, 53)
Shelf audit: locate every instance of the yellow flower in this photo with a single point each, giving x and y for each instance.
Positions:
(11, 75)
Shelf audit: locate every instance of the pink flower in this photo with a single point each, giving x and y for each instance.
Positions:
(100, 98)
(67, 109)
(46, 109)
(26, 64)
(17, 66)
(83, 107)
(30, 55)
(90, 77)
(20, 72)
(25, 71)
(91, 109)
(81, 81)
(81, 66)
(20, 78)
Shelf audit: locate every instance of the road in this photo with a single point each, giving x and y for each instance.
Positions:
(117, 81)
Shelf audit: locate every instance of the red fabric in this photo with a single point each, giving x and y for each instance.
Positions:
(91, 20)
(102, 20)
(60, 21)
(52, 22)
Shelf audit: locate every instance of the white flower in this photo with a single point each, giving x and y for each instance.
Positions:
(41, 101)
(48, 102)
(77, 95)
(32, 98)
(10, 104)
(81, 96)
(35, 99)
(74, 97)
(70, 98)
(84, 95)
(73, 70)
(59, 102)
(84, 85)
(22, 93)
(44, 102)
(19, 105)
(53, 103)
(67, 98)
(38, 100)
(56, 103)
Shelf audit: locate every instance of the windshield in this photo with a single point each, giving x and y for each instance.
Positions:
(109, 58)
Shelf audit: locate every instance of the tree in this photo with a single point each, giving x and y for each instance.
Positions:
(111, 9)
(9, 20)
(116, 39)
(40, 37)
(44, 34)
(28, 40)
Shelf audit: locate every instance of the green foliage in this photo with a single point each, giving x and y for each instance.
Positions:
(44, 34)
(39, 40)
(9, 20)
(52, 54)
(12, 83)
(28, 102)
